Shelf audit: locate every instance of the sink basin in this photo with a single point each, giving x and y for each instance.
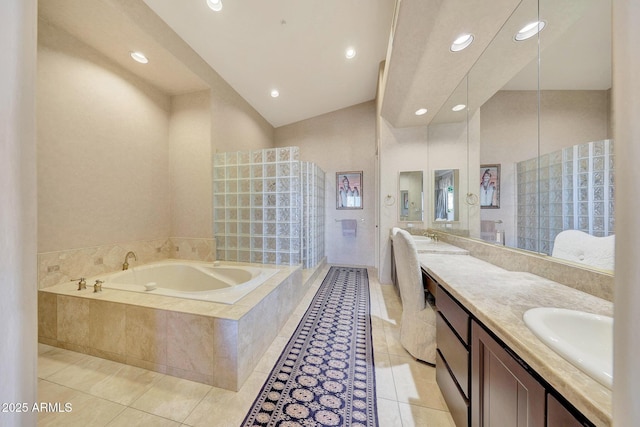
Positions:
(418, 239)
(583, 339)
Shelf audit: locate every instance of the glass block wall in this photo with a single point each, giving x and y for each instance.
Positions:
(258, 206)
(575, 190)
(312, 214)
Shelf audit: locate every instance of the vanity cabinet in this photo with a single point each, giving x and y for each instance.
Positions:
(503, 392)
(453, 355)
(483, 382)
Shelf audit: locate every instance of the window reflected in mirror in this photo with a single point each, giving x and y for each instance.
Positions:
(410, 196)
(446, 190)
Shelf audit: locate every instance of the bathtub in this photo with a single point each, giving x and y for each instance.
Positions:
(225, 284)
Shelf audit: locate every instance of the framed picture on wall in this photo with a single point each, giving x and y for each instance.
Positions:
(489, 186)
(349, 190)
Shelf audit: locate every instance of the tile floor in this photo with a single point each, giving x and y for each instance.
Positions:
(105, 393)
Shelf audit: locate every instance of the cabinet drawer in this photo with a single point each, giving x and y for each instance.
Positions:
(456, 403)
(454, 352)
(454, 313)
(428, 283)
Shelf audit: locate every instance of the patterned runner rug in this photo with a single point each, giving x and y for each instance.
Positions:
(325, 375)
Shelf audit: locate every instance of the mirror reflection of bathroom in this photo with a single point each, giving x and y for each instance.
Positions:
(446, 190)
(410, 196)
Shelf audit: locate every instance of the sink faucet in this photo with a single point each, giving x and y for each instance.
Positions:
(129, 254)
(432, 236)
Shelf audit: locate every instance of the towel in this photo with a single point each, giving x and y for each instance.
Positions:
(349, 227)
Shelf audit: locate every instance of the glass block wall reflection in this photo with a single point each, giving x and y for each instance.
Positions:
(575, 190)
(258, 206)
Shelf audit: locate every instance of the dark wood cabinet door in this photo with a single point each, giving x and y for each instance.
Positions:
(503, 393)
(559, 416)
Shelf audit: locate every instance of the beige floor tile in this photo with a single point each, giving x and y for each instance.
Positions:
(105, 379)
(172, 398)
(84, 410)
(56, 359)
(418, 416)
(388, 413)
(415, 383)
(223, 408)
(43, 348)
(385, 386)
(132, 417)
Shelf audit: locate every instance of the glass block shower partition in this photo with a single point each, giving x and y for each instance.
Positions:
(259, 199)
(313, 224)
(575, 190)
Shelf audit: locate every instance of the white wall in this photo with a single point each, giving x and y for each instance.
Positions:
(626, 96)
(18, 352)
(341, 141)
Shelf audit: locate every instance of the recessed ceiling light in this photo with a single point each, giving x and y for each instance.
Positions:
(461, 42)
(215, 5)
(458, 107)
(529, 30)
(421, 111)
(139, 56)
(275, 93)
(350, 53)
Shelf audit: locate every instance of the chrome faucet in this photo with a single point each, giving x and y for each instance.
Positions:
(129, 254)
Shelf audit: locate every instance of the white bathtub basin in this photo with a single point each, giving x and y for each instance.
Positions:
(583, 339)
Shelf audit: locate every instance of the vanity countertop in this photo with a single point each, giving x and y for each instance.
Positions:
(498, 298)
(427, 247)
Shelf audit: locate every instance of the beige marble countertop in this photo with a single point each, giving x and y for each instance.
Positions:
(437, 247)
(498, 298)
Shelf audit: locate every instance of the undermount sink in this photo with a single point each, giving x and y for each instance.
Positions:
(583, 339)
(421, 239)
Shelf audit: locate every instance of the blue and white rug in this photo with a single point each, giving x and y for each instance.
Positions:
(325, 375)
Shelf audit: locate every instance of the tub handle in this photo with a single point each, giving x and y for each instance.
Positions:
(97, 287)
(82, 283)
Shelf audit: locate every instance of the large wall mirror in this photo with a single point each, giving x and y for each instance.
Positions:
(410, 196)
(540, 109)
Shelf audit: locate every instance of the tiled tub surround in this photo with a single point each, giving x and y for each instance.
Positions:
(498, 298)
(63, 266)
(592, 281)
(212, 343)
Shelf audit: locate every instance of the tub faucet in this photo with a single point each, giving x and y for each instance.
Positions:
(129, 254)
(82, 283)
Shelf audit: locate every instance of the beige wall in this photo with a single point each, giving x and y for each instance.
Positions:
(121, 161)
(18, 352)
(190, 163)
(343, 140)
(401, 149)
(626, 90)
(103, 165)
(509, 134)
(235, 125)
